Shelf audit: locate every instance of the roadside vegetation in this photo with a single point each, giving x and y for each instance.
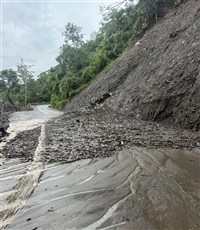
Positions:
(20, 88)
(79, 61)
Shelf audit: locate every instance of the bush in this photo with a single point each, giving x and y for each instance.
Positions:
(54, 100)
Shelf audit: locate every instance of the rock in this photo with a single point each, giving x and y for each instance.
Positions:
(23, 145)
(103, 133)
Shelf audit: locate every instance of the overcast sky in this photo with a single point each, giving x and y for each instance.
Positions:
(33, 29)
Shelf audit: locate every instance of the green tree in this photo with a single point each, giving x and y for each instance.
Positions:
(71, 58)
(25, 75)
(73, 35)
(42, 91)
(8, 81)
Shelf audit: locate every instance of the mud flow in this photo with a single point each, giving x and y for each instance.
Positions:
(25, 142)
(128, 186)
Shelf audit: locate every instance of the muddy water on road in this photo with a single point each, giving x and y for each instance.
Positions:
(18, 179)
(136, 189)
(26, 120)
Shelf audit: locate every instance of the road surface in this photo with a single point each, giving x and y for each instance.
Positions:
(137, 188)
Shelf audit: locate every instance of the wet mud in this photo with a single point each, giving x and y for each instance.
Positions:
(18, 178)
(136, 189)
(25, 186)
(101, 170)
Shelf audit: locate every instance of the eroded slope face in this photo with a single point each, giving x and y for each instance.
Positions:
(158, 78)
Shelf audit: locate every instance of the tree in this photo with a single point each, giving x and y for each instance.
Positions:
(73, 35)
(41, 89)
(8, 80)
(25, 75)
(71, 58)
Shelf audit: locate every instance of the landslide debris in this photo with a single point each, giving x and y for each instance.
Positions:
(23, 145)
(100, 133)
(158, 78)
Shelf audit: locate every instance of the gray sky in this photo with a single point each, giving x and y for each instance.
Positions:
(33, 30)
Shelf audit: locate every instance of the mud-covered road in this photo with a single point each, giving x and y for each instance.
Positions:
(136, 189)
(20, 172)
(127, 174)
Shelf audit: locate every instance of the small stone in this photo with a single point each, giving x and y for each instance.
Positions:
(51, 209)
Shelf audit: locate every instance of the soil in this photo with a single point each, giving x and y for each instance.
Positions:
(97, 133)
(158, 78)
(23, 145)
(137, 188)
(101, 133)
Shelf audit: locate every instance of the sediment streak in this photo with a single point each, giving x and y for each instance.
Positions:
(129, 180)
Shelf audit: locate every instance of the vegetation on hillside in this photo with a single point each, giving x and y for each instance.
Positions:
(80, 62)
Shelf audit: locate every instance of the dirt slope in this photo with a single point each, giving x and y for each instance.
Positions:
(158, 78)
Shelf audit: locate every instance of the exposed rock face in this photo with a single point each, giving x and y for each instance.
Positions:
(157, 79)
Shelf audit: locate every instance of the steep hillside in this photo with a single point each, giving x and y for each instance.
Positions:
(158, 78)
